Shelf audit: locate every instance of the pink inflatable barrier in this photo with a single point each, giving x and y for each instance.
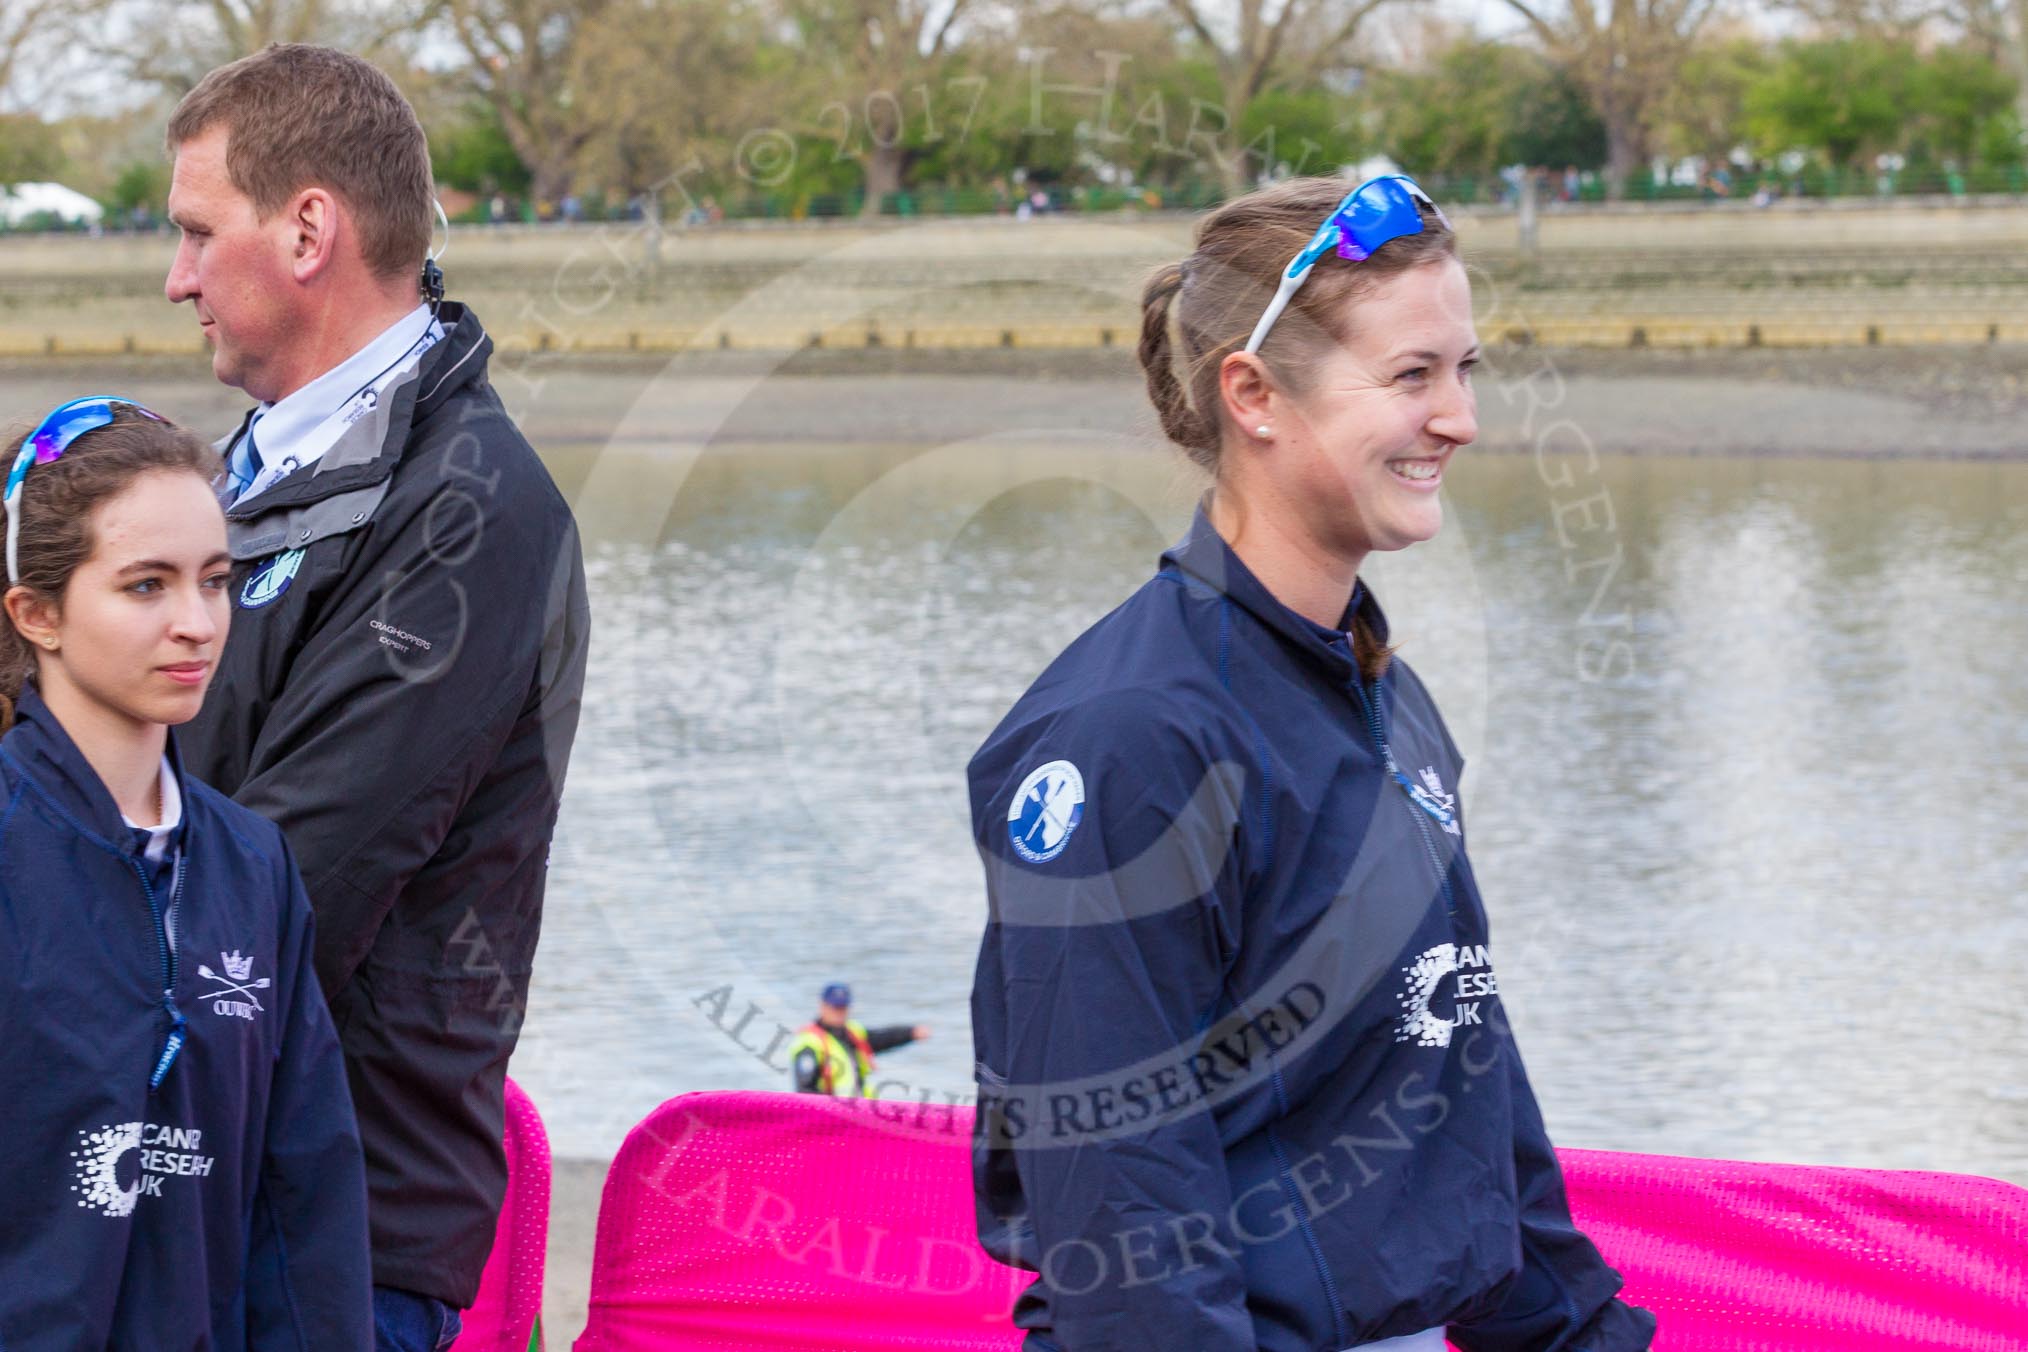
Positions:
(507, 1316)
(778, 1221)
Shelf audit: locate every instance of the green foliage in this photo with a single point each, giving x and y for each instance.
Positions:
(1704, 111)
(29, 150)
(1308, 131)
(1844, 97)
(139, 185)
(766, 107)
(1850, 99)
(1552, 123)
(474, 155)
(1481, 106)
(1958, 98)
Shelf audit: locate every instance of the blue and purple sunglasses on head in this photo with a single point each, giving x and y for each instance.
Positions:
(50, 439)
(1378, 210)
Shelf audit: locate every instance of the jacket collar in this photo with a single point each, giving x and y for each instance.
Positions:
(369, 450)
(46, 753)
(1203, 554)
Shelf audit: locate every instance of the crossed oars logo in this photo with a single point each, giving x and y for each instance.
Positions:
(236, 984)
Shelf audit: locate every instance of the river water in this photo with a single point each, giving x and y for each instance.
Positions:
(1747, 784)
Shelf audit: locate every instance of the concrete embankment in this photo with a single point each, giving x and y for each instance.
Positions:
(1846, 274)
(1863, 402)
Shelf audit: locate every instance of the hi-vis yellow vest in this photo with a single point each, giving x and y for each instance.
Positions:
(836, 1074)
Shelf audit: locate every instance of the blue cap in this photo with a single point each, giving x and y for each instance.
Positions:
(839, 994)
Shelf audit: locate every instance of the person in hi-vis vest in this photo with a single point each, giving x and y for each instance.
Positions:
(834, 1055)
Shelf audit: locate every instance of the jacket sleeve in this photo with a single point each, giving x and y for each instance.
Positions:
(1101, 967)
(309, 1277)
(888, 1038)
(808, 1072)
(460, 616)
(1565, 1299)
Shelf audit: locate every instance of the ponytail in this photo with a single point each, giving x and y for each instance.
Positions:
(1371, 655)
(1189, 427)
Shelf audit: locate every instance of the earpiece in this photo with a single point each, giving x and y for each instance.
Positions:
(432, 275)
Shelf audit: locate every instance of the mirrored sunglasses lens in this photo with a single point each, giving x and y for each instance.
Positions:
(56, 435)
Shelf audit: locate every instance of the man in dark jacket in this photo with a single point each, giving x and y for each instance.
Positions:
(402, 687)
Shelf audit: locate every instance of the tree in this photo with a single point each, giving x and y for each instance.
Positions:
(170, 44)
(528, 62)
(1450, 118)
(1703, 113)
(880, 57)
(1891, 19)
(598, 90)
(139, 187)
(1479, 106)
(1075, 89)
(1845, 97)
(29, 151)
(678, 82)
(473, 154)
(1623, 54)
(1297, 46)
(25, 26)
(1958, 96)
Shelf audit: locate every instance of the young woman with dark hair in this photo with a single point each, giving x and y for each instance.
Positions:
(177, 1145)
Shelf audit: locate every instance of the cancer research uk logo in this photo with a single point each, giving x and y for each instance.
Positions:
(120, 1163)
(267, 582)
(1045, 811)
(1467, 969)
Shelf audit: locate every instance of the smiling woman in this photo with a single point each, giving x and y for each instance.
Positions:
(249, 1229)
(1326, 377)
(1266, 805)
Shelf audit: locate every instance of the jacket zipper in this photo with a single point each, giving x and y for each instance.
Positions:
(177, 1023)
(1418, 807)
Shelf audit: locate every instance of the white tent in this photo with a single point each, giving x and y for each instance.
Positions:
(34, 199)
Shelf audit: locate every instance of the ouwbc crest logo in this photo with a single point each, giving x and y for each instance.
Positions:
(1045, 811)
(234, 995)
(267, 582)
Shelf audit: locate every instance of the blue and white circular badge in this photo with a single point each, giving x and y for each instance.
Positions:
(267, 582)
(1045, 811)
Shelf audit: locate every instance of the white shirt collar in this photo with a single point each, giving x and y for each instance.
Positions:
(172, 814)
(287, 421)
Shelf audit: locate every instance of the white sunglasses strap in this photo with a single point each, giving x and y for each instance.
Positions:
(1283, 293)
(13, 501)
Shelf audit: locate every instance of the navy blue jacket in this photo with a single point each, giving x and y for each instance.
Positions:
(224, 1208)
(1244, 1077)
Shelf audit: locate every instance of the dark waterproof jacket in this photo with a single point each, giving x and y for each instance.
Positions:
(399, 694)
(225, 1208)
(1244, 1077)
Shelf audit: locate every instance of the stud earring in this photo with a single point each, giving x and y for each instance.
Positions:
(1261, 431)
(49, 643)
